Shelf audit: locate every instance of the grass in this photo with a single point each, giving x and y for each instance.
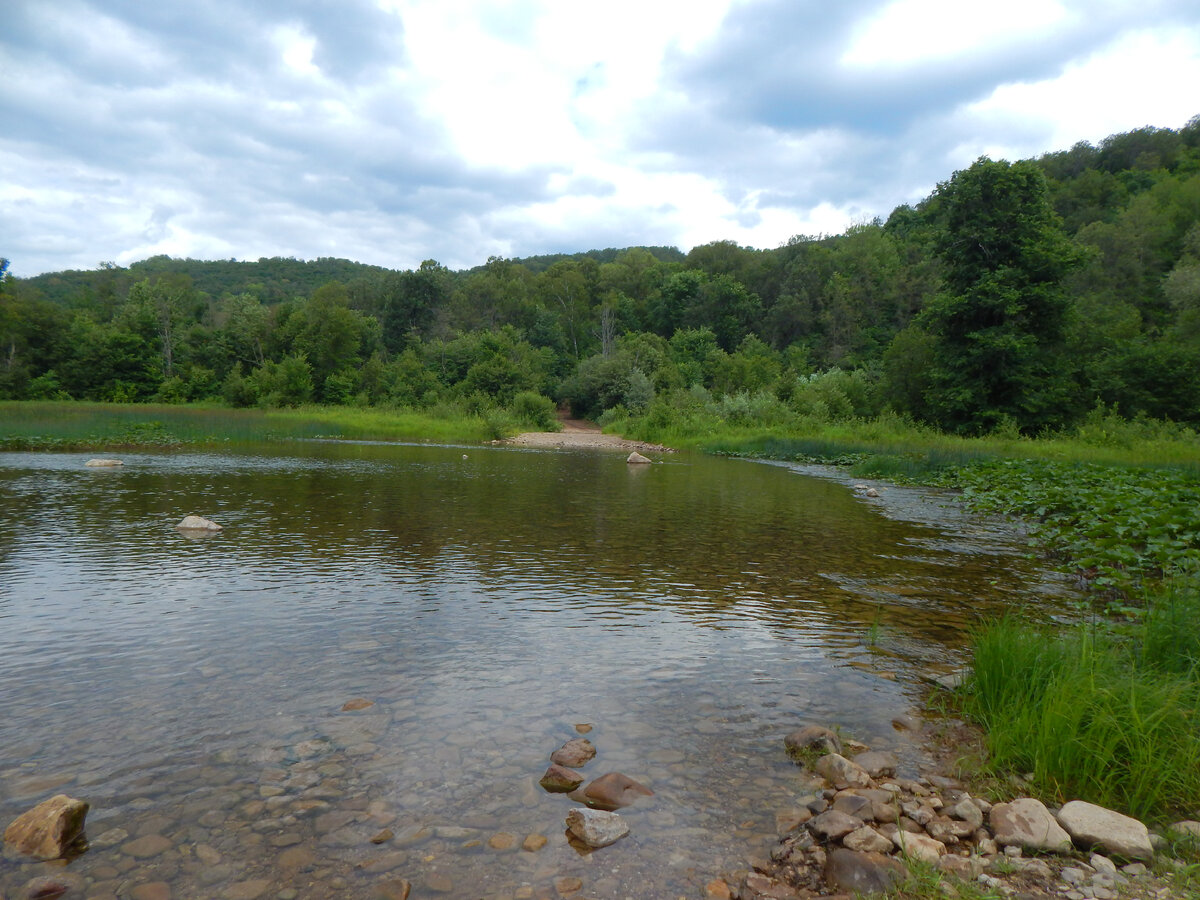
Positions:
(107, 426)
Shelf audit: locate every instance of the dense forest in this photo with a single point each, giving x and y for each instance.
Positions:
(1016, 296)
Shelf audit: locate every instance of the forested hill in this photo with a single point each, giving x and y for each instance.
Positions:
(1017, 295)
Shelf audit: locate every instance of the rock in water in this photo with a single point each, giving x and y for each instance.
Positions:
(1094, 826)
(595, 827)
(614, 790)
(1027, 823)
(815, 738)
(841, 772)
(559, 779)
(197, 523)
(636, 459)
(103, 463)
(49, 829)
(573, 753)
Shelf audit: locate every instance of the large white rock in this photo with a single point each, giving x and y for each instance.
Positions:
(1027, 823)
(919, 846)
(1094, 826)
(841, 772)
(103, 463)
(595, 827)
(197, 523)
(49, 829)
(636, 459)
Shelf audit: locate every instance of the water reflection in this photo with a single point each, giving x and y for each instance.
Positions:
(691, 611)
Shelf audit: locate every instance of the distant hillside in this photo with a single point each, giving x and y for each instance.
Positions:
(542, 262)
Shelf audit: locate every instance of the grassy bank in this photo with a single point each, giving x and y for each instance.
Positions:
(1107, 712)
(110, 426)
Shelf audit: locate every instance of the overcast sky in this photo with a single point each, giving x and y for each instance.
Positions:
(392, 131)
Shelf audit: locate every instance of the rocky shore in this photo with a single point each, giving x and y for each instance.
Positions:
(858, 830)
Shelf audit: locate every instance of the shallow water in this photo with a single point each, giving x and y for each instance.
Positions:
(487, 601)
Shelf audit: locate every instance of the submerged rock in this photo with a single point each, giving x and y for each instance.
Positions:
(49, 829)
(103, 463)
(197, 523)
(559, 779)
(813, 737)
(596, 827)
(614, 790)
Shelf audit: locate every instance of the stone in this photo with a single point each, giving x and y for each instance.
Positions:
(583, 728)
(968, 811)
(393, 889)
(949, 831)
(866, 840)
(48, 887)
(1094, 827)
(790, 819)
(103, 463)
(596, 827)
(614, 791)
(356, 704)
(502, 840)
(382, 837)
(965, 868)
(151, 890)
(919, 846)
(1187, 826)
(566, 885)
(49, 830)
(559, 779)
(246, 890)
(533, 842)
(1102, 864)
(145, 847)
(863, 873)
(841, 772)
(757, 886)
(813, 738)
(574, 753)
(877, 763)
(718, 889)
(853, 805)
(636, 459)
(1027, 823)
(197, 523)
(834, 825)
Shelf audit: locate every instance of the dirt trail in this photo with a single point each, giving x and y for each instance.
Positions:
(578, 434)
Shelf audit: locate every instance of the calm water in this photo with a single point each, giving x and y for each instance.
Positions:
(487, 601)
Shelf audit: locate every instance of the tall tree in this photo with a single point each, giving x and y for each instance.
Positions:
(1000, 323)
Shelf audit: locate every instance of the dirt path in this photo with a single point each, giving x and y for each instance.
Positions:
(577, 434)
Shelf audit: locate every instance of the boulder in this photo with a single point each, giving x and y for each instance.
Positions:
(49, 829)
(559, 779)
(1027, 823)
(614, 790)
(919, 846)
(863, 873)
(968, 811)
(814, 738)
(573, 753)
(636, 459)
(103, 463)
(1094, 827)
(834, 825)
(197, 523)
(841, 772)
(867, 840)
(877, 763)
(596, 827)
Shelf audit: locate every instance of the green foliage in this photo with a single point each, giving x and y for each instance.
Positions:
(534, 411)
(999, 326)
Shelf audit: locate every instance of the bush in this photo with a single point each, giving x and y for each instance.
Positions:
(534, 411)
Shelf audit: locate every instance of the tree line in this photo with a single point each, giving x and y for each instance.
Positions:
(1016, 295)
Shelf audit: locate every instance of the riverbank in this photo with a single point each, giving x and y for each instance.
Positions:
(577, 434)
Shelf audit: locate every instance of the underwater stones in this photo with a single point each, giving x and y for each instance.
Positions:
(533, 842)
(574, 753)
(614, 791)
(596, 827)
(197, 523)
(49, 829)
(147, 846)
(356, 704)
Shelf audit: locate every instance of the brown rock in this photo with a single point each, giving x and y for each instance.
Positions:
(533, 842)
(867, 840)
(718, 889)
(147, 846)
(49, 887)
(383, 836)
(357, 703)
(566, 885)
(853, 805)
(919, 846)
(246, 890)
(49, 829)
(583, 728)
(614, 791)
(502, 840)
(393, 889)
(841, 772)
(559, 779)
(813, 738)
(757, 886)
(574, 753)
(863, 873)
(151, 890)
(834, 825)
(877, 763)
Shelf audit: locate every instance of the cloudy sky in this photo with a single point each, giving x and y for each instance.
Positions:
(392, 131)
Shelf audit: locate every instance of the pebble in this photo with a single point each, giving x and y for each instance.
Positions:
(246, 890)
(153, 890)
(502, 840)
(439, 882)
(566, 885)
(146, 847)
(383, 837)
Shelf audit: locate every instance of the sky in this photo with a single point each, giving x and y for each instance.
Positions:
(395, 131)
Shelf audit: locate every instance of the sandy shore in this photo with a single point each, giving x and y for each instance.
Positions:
(579, 435)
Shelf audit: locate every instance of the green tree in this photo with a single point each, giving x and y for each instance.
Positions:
(1000, 324)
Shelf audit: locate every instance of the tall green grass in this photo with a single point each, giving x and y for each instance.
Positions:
(1107, 715)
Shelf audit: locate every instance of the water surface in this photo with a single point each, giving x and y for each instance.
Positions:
(487, 601)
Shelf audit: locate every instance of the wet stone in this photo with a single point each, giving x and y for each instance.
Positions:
(439, 882)
(502, 840)
(534, 842)
(382, 837)
(246, 890)
(567, 885)
(393, 889)
(146, 847)
(574, 753)
(295, 858)
(153, 890)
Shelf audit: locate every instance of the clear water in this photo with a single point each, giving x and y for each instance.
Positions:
(487, 601)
